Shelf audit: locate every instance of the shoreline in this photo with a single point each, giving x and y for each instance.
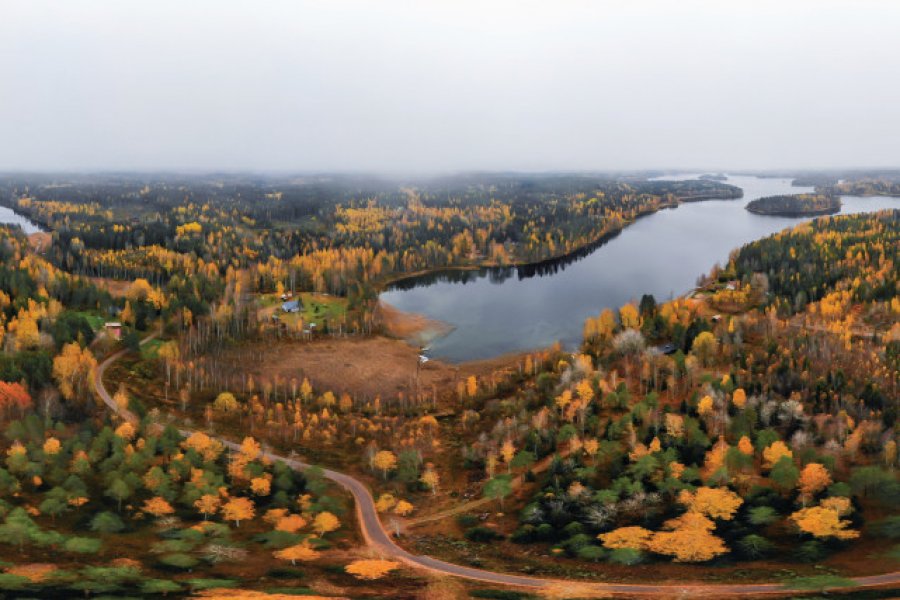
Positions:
(566, 257)
(415, 329)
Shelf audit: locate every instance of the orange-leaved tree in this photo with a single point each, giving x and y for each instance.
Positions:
(238, 509)
(371, 569)
(302, 552)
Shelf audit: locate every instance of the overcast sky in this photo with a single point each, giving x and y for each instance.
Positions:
(425, 86)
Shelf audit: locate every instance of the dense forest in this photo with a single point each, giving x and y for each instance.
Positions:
(752, 421)
(331, 234)
(796, 205)
(760, 427)
(868, 187)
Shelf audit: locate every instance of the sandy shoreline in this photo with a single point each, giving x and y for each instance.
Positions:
(416, 329)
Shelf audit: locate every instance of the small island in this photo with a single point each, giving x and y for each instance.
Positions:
(796, 205)
(714, 177)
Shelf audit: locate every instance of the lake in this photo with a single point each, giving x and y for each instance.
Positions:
(9, 217)
(496, 311)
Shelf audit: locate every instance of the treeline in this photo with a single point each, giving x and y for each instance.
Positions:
(41, 310)
(350, 230)
(855, 254)
(868, 187)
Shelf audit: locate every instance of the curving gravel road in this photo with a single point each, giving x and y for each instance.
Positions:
(378, 538)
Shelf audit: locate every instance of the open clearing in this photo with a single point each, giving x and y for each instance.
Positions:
(362, 366)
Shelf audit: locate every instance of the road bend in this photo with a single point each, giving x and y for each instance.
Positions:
(377, 538)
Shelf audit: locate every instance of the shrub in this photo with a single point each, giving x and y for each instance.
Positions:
(524, 534)
(13, 582)
(286, 572)
(482, 534)
(169, 546)
(626, 556)
(754, 546)
(279, 539)
(82, 545)
(208, 584)
(762, 515)
(107, 522)
(810, 551)
(592, 553)
(889, 527)
(178, 560)
(576, 542)
(466, 520)
(159, 586)
(840, 488)
(545, 531)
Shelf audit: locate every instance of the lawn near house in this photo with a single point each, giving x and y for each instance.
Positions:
(316, 308)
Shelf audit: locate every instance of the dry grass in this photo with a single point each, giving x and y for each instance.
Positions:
(364, 367)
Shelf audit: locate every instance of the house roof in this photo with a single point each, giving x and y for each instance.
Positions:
(293, 304)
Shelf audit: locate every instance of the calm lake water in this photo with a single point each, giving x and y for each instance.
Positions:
(495, 311)
(10, 217)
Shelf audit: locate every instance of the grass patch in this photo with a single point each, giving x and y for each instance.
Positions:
(209, 584)
(317, 308)
(290, 591)
(819, 582)
(96, 321)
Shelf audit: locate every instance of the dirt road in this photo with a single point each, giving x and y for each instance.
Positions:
(377, 537)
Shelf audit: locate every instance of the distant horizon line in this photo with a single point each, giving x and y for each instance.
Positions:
(436, 173)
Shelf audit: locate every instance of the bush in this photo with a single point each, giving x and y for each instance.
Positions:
(762, 515)
(466, 520)
(13, 582)
(482, 534)
(545, 531)
(208, 584)
(107, 522)
(159, 586)
(810, 552)
(877, 483)
(754, 546)
(576, 542)
(592, 553)
(169, 546)
(178, 560)
(189, 535)
(279, 539)
(840, 488)
(286, 572)
(626, 556)
(889, 527)
(82, 545)
(524, 534)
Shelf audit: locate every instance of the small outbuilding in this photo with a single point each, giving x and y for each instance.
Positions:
(113, 329)
(291, 306)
